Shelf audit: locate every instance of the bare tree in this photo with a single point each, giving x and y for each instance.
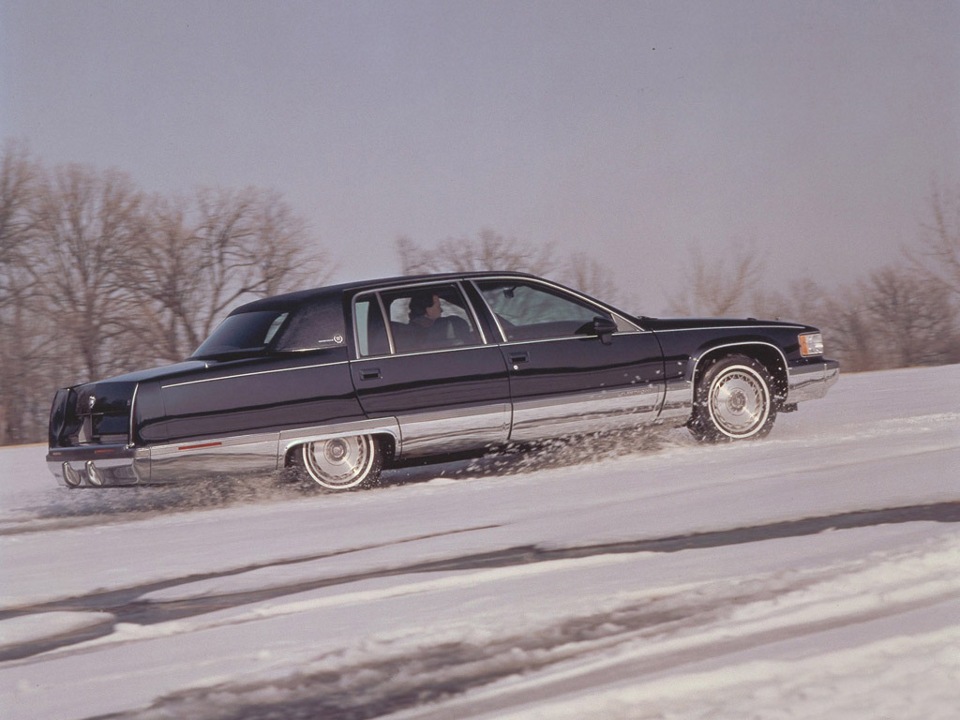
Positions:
(720, 284)
(913, 319)
(584, 273)
(937, 255)
(17, 178)
(851, 337)
(897, 317)
(492, 251)
(84, 220)
(97, 279)
(802, 301)
(202, 257)
(488, 251)
(19, 340)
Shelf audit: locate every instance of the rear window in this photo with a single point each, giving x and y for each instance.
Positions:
(241, 334)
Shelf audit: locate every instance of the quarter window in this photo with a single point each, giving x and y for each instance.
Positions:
(314, 326)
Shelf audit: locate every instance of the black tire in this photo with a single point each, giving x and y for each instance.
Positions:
(343, 463)
(733, 400)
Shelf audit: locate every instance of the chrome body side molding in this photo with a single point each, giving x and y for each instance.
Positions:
(596, 411)
(453, 431)
(677, 402)
(203, 458)
(174, 462)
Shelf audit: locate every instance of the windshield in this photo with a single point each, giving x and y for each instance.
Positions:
(241, 334)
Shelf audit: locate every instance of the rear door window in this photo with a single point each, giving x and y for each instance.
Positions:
(429, 317)
(414, 319)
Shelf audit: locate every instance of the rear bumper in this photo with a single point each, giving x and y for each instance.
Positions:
(811, 382)
(99, 465)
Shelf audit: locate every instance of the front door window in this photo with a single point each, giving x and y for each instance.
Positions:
(529, 312)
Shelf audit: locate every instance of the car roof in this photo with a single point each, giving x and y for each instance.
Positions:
(293, 299)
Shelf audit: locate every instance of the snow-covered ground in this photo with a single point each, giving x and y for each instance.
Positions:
(812, 575)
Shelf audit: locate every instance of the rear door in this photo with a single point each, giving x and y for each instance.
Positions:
(565, 378)
(447, 388)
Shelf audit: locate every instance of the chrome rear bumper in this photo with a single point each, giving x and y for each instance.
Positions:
(99, 465)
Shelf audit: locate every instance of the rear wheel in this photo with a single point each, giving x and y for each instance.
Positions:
(343, 463)
(733, 401)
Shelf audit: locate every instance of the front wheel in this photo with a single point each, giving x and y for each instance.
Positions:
(733, 401)
(343, 463)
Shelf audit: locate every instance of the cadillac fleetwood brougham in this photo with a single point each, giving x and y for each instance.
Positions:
(343, 381)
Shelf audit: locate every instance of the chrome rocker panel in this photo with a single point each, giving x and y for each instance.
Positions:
(113, 465)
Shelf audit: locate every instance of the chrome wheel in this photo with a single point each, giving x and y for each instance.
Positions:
(739, 402)
(733, 401)
(342, 463)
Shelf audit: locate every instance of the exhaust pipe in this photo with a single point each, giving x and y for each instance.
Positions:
(94, 476)
(70, 476)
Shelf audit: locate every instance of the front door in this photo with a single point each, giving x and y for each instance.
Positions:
(565, 378)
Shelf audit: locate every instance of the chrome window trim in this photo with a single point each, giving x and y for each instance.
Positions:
(386, 323)
(549, 283)
(255, 373)
(133, 406)
(414, 353)
(566, 338)
(360, 297)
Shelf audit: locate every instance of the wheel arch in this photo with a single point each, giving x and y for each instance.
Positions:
(764, 352)
(385, 438)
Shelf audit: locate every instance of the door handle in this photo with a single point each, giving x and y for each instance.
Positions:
(371, 374)
(518, 357)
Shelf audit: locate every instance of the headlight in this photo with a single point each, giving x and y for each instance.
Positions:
(811, 344)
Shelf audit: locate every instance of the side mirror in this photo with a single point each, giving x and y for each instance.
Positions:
(604, 328)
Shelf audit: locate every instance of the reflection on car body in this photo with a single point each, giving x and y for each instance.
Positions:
(345, 380)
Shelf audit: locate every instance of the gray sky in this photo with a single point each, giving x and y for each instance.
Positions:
(816, 130)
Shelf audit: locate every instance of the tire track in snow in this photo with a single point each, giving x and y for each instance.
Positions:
(127, 606)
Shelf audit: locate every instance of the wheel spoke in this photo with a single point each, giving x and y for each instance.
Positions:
(340, 463)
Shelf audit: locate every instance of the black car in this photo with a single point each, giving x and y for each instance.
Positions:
(345, 380)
